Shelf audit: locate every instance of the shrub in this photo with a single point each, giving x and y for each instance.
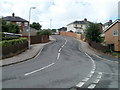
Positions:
(6, 43)
(9, 38)
(44, 32)
(2, 34)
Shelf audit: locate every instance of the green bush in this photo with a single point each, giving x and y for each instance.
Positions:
(9, 38)
(44, 32)
(2, 34)
(6, 43)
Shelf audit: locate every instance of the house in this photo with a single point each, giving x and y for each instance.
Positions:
(105, 25)
(17, 20)
(62, 29)
(22, 23)
(112, 35)
(78, 27)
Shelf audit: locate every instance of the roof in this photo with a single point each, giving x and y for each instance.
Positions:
(106, 29)
(15, 19)
(79, 22)
(107, 24)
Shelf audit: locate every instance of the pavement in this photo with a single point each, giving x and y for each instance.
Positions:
(85, 47)
(34, 50)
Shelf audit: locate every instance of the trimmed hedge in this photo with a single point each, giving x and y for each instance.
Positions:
(9, 38)
(6, 43)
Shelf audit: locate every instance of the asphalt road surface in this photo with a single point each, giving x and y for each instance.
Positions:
(62, 64)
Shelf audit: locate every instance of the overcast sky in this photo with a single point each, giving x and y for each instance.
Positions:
(61, 12)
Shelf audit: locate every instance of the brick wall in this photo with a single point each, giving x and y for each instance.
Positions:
(71, 34)
(38, 39)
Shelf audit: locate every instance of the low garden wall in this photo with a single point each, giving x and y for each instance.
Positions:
(12, 50)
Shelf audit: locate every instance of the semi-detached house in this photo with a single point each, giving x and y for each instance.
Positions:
(78, 27)
(22, 23)
(112, 35)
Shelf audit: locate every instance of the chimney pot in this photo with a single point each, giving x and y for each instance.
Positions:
(110, 21)
(13, 14)
(85, 19)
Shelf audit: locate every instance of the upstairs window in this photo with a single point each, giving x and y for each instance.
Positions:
(18, 23)
(115, 33)
(26, 23)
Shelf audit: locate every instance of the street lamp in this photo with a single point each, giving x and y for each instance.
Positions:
(29, 26)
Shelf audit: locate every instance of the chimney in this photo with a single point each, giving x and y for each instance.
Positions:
(85, 19)
(110, 21)
(13, 14)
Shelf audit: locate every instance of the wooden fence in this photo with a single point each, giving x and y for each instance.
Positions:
(38, 39)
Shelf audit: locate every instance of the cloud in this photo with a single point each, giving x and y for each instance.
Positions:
(61, 12)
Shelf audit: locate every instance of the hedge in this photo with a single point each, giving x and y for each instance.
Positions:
(44, 32)
(9, 38)
(6, 43)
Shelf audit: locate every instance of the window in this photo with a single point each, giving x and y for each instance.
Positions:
(81, 26)
(26, 23)
(8, 22)
(115, 33)
(18, 23)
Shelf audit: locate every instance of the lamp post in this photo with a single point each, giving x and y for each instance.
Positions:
(29, 26)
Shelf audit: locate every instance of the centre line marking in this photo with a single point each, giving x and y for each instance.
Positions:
(58, 56)
(39, 69)
(59, 49)
(63, 45)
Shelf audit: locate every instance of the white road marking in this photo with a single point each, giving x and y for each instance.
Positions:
(92, 86)
(39, 53)
(39, 69)
(109, 73)
(63, 45)
(89, 75)
(59, 49)
(99, 76)
(96, 81)
(58, 56)
(80, 84)
(91, 60)
(92, 72)
(85, 80)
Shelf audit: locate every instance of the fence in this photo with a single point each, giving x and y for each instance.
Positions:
(14, 49)
(38, 39)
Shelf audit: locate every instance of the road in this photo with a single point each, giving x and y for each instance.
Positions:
(62, 64)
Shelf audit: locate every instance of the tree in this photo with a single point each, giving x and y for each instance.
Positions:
(36, 26)
(44, 32)
(10, 27)
(53, 30)
(13, 28)
(93, 32)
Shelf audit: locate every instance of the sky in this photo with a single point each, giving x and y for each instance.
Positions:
(59, 13)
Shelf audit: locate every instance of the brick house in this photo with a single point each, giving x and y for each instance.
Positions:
(112, 35)
(17, 20)
(22, 23)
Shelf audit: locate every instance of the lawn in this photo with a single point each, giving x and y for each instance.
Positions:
(116, 54)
